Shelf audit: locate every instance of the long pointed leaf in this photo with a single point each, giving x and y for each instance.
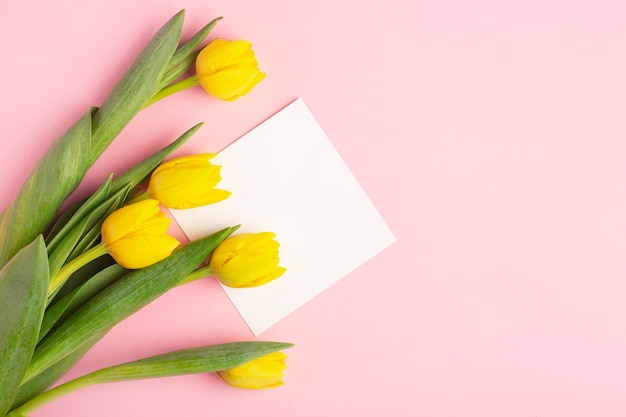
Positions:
(44, 380)
(56, 175)
(72, 217)
(23, 288)
(91, 322)
(79, 296)
(182, 362)
(188, 47)
(189, 361)
(75, 232)
(140, 171)
(185, 56)
(64, 165)
(130, 178)
(137, 86)
(97, 218)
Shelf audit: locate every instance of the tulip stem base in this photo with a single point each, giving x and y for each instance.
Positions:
(74, 265)
(196, 275)
(183, 84)
(50, 395)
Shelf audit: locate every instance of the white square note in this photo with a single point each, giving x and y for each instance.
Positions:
(286, 177)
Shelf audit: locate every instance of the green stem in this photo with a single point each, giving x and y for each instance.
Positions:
(56, 392)
(74, 265)
(183, 84)
(195, 275)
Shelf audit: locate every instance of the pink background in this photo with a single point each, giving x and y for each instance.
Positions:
(489, 134)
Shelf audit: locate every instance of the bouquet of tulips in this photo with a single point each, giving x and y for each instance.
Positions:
(67, 277)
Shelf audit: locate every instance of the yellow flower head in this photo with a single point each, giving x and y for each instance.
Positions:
(228, 69)
(187, 182)
(136, 235)
(262, 373)
(246, 260)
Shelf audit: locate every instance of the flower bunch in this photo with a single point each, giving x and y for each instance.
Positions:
(67, 277)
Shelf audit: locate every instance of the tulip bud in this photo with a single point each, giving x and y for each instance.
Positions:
(136, 235)
(262, 373)
(187, 182)
(246, 260)
(228, 69)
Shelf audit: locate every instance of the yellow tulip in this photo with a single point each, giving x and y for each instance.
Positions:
(136, 235)
(246, 260)
(187, 182)
(228, 69)
(262, 373)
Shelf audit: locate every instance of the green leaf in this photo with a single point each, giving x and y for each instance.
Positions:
(23, 291)
(189, 361)
(93, 227)
(77, 228)
(79, 296)
(188, 47)
(81, 276)
(118, 301)
(73, 216)
(131, 178)
(182, 362)
(136, 88)
(139, 172)
(44, 380)
(81, 230)
(64, 165)
(78, 238)
(185, 56)
(56, 175)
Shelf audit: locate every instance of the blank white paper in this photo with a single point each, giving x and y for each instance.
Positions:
(286, 177)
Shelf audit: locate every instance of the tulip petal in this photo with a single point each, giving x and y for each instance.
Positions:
(247, 260)
(136, 235)
(233, 82)
(221, 54)
(128, 219)
(187, 182)
(276, 273)
(265, 372)
(142, 251)
(184, 160)
(228, 69)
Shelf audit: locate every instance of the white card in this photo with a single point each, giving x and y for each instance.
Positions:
(286, 177)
